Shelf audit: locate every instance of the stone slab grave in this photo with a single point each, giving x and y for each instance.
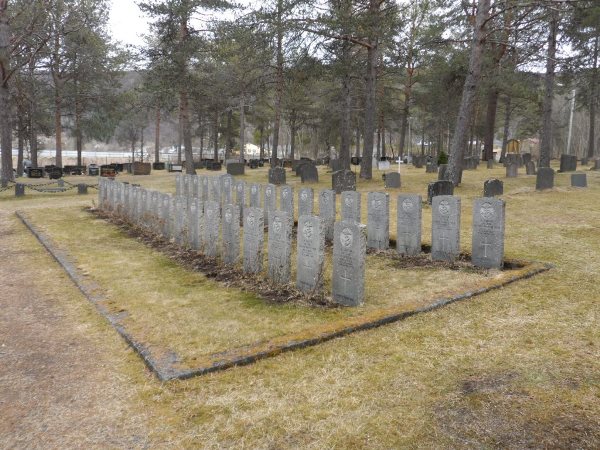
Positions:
(19, 190)
(236, 168)
(305, 202)
(545, 178)
(226, 189)
(526, 158)
(351, 206)
(392, 180)
(195, 186)
(442, 172)
(310, 254)
(196, 213)
(431, 167)
(488, 233)
(270, 201)
(530, 168)
(490, 163)
(230, 251)
(596, 165)
(568, 163)
(327, 211)
(493, 187)
(212, 224)
(512, 170)
(343, 180)
(579, 180)
(240, 194)
(383, 165)
(286, 200)
(255, 191)
(584, 161)
(349, 254)
(441, 187)
(204, 188)
(254, 236)
(280, 247)
(277, 176)
(215, 189)
(309, 173)
(378, 223)
(408, 224)
(445, 229)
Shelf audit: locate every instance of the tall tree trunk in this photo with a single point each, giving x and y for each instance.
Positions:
(383, 150)
(345, 131)
(423, 141)
(490, 124)
(593, 102)
(142, 144)
(279, 83)
(58, 125)
(20, 142)
(406, 109)
(242, 130)
(5, 103)
(157, 135)
(507, 112)
(228, 134)
(32, 116)
(216, 135)
(293, 131)
(366, 165)
(261, 130)
(546, 138)
(357, 150)
(186, 131)
(459, 138)
(78, 133)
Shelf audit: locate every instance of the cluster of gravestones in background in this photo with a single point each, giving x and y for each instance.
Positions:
(206, 212)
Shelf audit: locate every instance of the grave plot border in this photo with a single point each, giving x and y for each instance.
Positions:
(165, 368)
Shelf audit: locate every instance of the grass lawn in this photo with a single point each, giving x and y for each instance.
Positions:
(514, 367)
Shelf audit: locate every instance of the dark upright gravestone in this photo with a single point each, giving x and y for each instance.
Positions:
(431, 167)
(596, 164)
(526, 158)
(568, 163)
(545, 178)
(277, 176)
(442, 171)
(488, 233)
(490, 163)
(436, 188)
(512, 170)
(236, 168)
(158, 166)
(493, 187)
(93, 171)
(530, 168)
(35, 173)
(392, 180)
(579, 180)
(82, 189)
(308, 173)
(335, 165)
(584, 161)
(343, 180)
(19, 190)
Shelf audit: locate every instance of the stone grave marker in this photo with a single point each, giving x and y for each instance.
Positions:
(392, 180)
(165, 215)
(287, 200)
(226, 189)
(493, 187)
(236, 168)
(19, 190)
(445, 230)
(349, 250)
(408, 225)
(490, 163)
(195, 186)
(441, 187)
(568, 163)
(545, 178)
(383, 165)
(305, 202)
(530, 168)
(196, 213)
(204, 196)
(231, 234)
(309, 173)
(579, 180)
(488, 233)
(215, 189)
(82, 189)
(327, 211)
(178, 184)
(512, 170)
(526, 158)
(280, 246)
(351, 206)
(343, 180)
(240, 196)
(310, 255)
(431, 167)
(442, 172)
(277, 176)
(254, 235)
(212, 224)
(378, 223)
(270, 201)
(255, 190)
(596, 164)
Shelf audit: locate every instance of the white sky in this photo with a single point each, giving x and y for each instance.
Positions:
(127, 23)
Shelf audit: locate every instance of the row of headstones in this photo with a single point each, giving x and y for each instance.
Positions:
(198, 224)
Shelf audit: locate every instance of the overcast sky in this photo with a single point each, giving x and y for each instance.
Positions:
(127, 22)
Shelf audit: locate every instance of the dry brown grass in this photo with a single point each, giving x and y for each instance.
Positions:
(512, 368)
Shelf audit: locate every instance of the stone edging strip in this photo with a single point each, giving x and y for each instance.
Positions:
(256, 352)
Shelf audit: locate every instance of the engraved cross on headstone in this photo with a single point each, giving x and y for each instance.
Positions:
(444, 239)
(346, 279)
(485, 244)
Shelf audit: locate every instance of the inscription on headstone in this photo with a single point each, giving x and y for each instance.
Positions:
(349, 249)
(305, 202)
(226, 189)
(445, 229)
(488, 233)
(378, 224)
(212, 223)
(231, 234)
(351, 206)
(287, 200)
(255, 190)
(254, 232)
(327, 211)
(408, 225)
(310, 253)
(280, 246)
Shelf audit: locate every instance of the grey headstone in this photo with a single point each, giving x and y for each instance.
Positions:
(488, 233)
(308, 173)
(431, 167)
(351, 206)
(178, 229)
(270, 201)
(82, 189)
(530, 168)
(277, 176)
(19, 190)
(493, 187)
(226, 189)
(178, 184)
(545, 178)
(335, 165)
(310, 253)
(378, 224)
(442, 171)
(212, 224)
(343, 180)
(195, 221)
(579, 180)
(165, 215)
(240, 196)
(305, 202)
(287, 200)
(408, 225)
(490, 163)
(512, 170)
(254, 235)
(215, 189)
(441, 187)
(392, 180)
(231, 234)
(195, 186)
(383, 165)
(280, 247)
(349, 249)
(445, 229)
(236, 168)
(327, 211)
(584, 161)
(596, 164)
(255, 191)
(204, 188)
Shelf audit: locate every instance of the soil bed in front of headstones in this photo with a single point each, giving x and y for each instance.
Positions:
(178, 303)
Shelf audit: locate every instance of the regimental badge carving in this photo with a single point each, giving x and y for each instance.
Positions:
(304, 196)
(349, 201)
(277, 225)
(408, 205)
(307, 229)
(228, 216)
(251, 220)
(487, 211)
(346, 238)
(444, 208)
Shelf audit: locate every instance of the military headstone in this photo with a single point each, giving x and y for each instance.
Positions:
(287, 200)
(442, 187)
(227, 189)
(445, 229)
(212, 224)
(545, 178)
(349, 249)
(327, 211)
(280, 246)
(579, 180)
(231, 234)
(408, 225)
(392, 180)
(305, 202)
(254, 235)
(343, 180)
(204, 188)
(310, 255)
(270, 201)
(378, 224)
(488, 233)
(215, 189)
(351, 206)
(255, 191)
(493, 187)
